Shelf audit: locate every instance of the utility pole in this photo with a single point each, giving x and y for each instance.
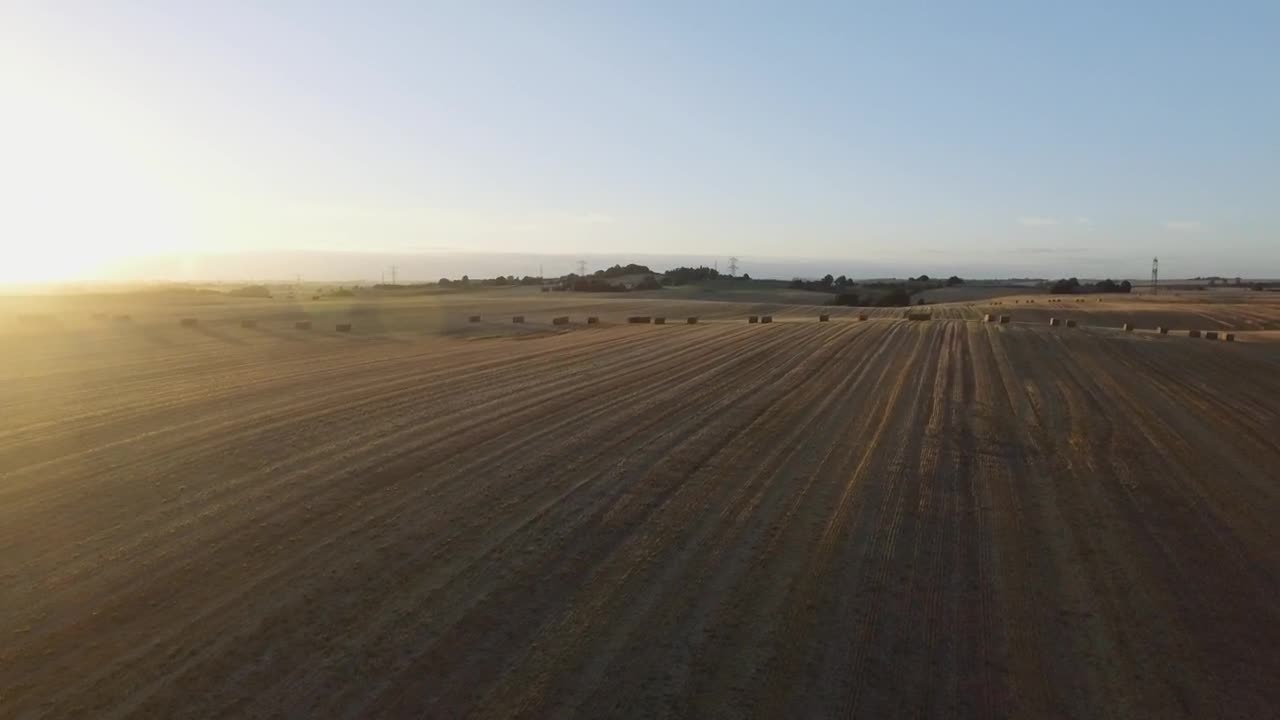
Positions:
(1155, 276)
(539, 271)
(733, 266)
(393, 274)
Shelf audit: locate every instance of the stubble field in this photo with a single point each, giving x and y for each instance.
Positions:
(802, 519)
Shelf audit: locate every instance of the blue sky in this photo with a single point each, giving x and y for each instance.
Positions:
(1076, 138)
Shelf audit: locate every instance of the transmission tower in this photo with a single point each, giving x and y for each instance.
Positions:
(733, 266)
(582, 268)
(1155, 276)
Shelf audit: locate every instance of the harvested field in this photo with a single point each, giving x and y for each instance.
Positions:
(839, 519)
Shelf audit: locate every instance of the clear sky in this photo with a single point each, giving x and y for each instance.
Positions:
(1080, 138)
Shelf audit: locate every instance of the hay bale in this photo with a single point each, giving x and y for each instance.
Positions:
(1162, 330)
(1229, 337)
(659, 321)
(517, 319)
(639, 319)
(1193, 333)
(342, 327)
(1053, 322)
(824, 318)
(1128, 327)
(562, 320)
(1004, 319)
(546, 289)
(474, 319)
(302, 325)
(1071, 323)
(988, 318)
(1211, 335)
(862, 316)
(248, 323)
(753, 318)
(919, 316)
(692, 321)
(766, 318)
(188, 322)
(593, 320)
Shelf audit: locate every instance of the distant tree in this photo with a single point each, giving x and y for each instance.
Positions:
(842, 281)
(444, 282)
(920, 301)
(954, 280)
(746, 276)
(466, 280)
(896, 297)
(922, 278)
(846, 299)
(796, 284)
(1125, 286)
(649, 283)
(1256, 287)
(827, 280)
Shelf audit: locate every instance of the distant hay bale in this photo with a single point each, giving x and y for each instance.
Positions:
(824, 318)
(753, 318)
(562, 320)
(639, 319)
(593, 320)
(692, 321)
(1004, 319)
(766, 318)
(517, 319)
(546, 289)
(988, 318)
(315, 297)
(1211, 335)
(1071, 323)
(1128, 327)
(246, 323)
(862, 316)
(188, 322)
(919, 316)
(1053, 322)
(1229, 337)
(1162, 330)
(659, 321)
(342, 327)
(302, 325)
(1193, 333)
(474, 319)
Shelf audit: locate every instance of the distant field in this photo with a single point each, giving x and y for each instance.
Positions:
(428, 517)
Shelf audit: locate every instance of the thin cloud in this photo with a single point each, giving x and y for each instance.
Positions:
(1033, 221)
(1184, 225)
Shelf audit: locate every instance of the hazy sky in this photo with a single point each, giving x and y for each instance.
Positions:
(1078, 137)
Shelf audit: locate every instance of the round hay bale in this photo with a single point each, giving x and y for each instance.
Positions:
(302, 325)
(562, 320)
(753, 318)
(1193, 333)
(517, 319)
(474, 319)
(1071, 323)
(1229, 337)
(692, 321)
(1211, 335)
(1053, 322)
(659, 321)
(593, 320)
(824, 318)
(343, 327)
(1004, 319)
(1128, 327)
(766, 318)
(1162, 330)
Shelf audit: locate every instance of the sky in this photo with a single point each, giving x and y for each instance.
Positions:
(1024, 138)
